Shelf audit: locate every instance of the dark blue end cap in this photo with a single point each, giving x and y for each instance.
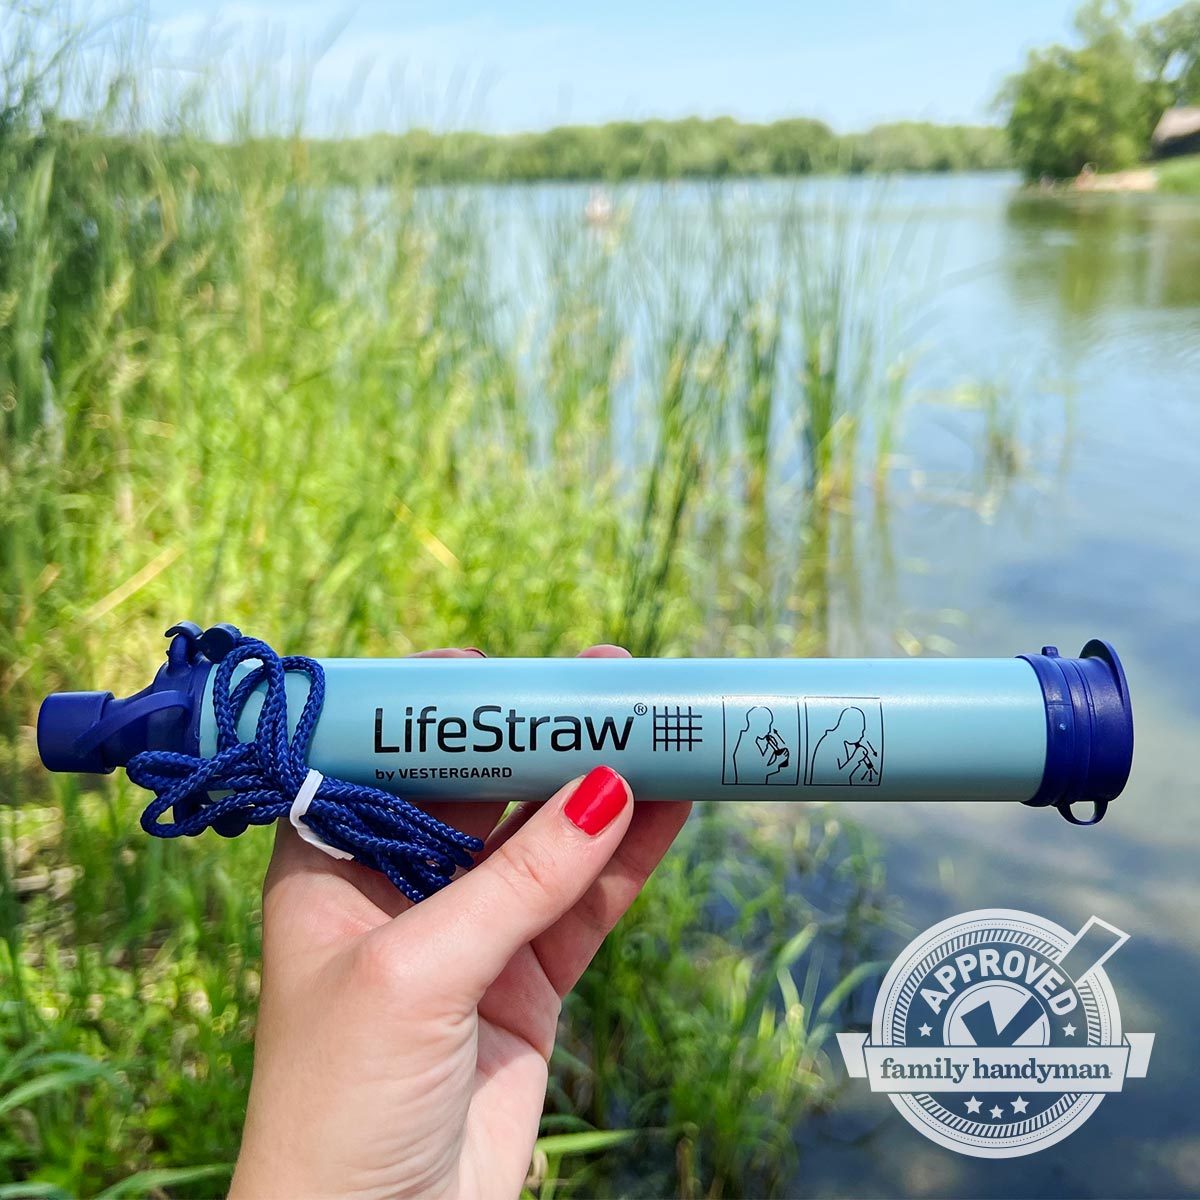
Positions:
(1089, 729)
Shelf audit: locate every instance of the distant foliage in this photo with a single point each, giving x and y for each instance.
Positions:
(921, 146)
(1173, 46)
(687, 149)
(1097, 103)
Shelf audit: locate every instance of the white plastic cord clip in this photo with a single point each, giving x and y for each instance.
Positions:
(304, 797)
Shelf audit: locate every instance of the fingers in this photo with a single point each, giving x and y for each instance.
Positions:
(450, 652)
(604, 650)
(303, 880)
(300, 875)
(471, 929)
(522, 812)
(600, 650)
(520, 816)
(567, 946)
(476, 818)
(313, 901)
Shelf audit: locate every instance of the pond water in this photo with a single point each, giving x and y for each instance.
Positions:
(1086, 316)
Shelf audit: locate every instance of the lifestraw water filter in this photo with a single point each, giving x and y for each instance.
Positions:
(1039, 728)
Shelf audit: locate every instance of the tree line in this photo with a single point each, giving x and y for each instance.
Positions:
(1098, 102)
(693, 148)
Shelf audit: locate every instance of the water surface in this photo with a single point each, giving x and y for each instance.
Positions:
(1086, 316)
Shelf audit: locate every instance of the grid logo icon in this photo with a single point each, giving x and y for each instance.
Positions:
(676, 727)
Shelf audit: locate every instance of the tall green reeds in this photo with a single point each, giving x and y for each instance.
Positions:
(368, 421)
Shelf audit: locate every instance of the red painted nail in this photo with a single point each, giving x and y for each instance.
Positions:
(597, 800)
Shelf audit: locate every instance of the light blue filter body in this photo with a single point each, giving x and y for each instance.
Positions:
(698, 729)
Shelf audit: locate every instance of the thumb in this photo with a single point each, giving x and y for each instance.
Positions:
(473, 927)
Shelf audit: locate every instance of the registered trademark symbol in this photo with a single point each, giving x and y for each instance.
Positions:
(640, 710)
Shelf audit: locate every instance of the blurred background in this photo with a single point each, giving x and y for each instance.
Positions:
(762, 329)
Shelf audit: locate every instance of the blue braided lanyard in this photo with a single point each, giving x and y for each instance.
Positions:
(255, 783)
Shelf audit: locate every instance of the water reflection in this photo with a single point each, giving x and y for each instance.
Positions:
(1096, 252)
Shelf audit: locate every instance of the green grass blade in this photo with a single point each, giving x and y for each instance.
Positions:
(146, 1182)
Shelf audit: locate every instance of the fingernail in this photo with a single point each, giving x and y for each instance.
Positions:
(595, 803)
(473, 650)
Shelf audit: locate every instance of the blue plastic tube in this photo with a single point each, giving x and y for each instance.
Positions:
(1040, 729)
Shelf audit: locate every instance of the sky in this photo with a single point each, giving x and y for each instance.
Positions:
(530, 64)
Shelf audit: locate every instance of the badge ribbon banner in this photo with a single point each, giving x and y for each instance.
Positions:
(921, 1069)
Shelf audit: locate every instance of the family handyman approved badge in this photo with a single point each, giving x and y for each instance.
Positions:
(997, 1033)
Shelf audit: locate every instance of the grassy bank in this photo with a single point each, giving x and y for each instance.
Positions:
(368, 421)
(1180, 176)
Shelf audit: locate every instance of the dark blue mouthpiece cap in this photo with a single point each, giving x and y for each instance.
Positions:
(96, 732)
(63, 719)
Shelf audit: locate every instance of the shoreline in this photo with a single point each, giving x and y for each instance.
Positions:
(1168, 177)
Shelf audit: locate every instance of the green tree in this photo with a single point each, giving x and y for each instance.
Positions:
(1096, 103)
(1172, 46)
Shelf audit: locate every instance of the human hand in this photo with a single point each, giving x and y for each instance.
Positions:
(402, 1050)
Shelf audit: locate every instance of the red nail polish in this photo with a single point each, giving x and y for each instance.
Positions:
(597, 800)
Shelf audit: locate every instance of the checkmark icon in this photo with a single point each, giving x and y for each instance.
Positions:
(981, 1023)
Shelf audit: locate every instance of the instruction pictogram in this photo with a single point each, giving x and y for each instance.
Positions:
(763, 745)
(846, 736)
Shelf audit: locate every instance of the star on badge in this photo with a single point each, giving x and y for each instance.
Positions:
(1069, 1029)
(973, 1105)
(1020, 1105)
(924, 1030)
(996, 1111)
